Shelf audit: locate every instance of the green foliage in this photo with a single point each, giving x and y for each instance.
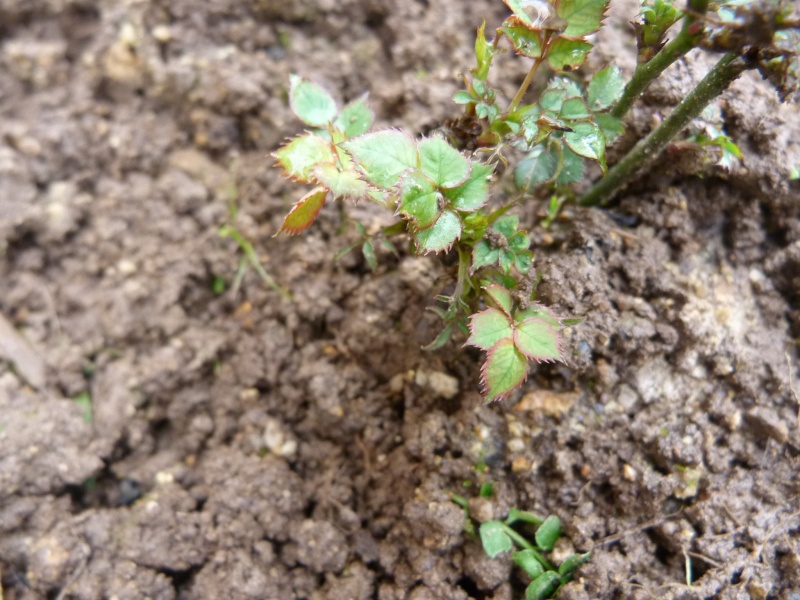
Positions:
(512, 535)
(440, 187)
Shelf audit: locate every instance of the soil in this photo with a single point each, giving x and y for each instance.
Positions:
(159, 439)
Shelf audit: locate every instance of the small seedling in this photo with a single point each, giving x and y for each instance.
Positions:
(500, 537)
(439, 187)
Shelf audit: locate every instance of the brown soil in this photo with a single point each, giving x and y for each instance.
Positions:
(243, 445)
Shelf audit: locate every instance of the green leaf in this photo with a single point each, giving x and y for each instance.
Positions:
(568, 55)
(583, 16)
(518, 8)
(483, 53)
(519, 242)
(494, 538)
(574, 109)
(304, 212)
(383, 155)
(441, 235)
(552, 98)
(356, 118)
(419, 199)
(501, 296)
(341, 183)
(463, 97)
(528, 561)
(543, 586)
(588, 141)
(572, 170)
(445, 165)
(524, 262)
(605, 88)
(507, 225)
(369, 255)
(483, 255)
(611, 127)
(571, 563)
(548, 533)
(536, 311)
(441, 339)
(526, 42)
(312, 104)
(539, 166)
(301, 155)
(473, 193)
(506, 260)
(538, 340)
(504, 370)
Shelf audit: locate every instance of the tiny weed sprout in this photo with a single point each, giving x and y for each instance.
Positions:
(440, 187)
(511, 535)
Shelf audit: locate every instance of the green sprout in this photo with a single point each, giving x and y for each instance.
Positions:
(510, 535)
(443, 188)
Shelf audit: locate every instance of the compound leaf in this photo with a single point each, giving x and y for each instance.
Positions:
(539, 312)
(304, 212)
(489, 327)
(605, 88)
(473, 193)
(494, 539)
(419, 199)
(301, 155)
(583, 16)
(383, 155)
(356, 118)
(568, 55)
(445, 165)
(311, 103)
(342, 183)
(538, 340)
(504, 370)
(441, 235)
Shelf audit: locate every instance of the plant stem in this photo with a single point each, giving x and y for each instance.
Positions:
(526, 545)
(727, 69)
(529, 77)
(646, 72)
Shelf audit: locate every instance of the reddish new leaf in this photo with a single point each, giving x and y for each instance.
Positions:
(304, 212)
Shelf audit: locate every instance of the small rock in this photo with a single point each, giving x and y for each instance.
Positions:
(439, 383)
(766, 423)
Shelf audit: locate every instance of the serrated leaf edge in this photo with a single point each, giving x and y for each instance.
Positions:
(485, 368)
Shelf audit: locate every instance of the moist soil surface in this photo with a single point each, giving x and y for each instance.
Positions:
(173, 427)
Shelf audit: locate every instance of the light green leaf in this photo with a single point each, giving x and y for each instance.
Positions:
(507, 225)
(588, 141)
(301, 155)
(539, 312)
(568, 55)
(519, 242)
(383, 155)
(463, 97)
(419, 199)
(445, 165)
(473, 193)
(552, 98)
(483, 255)
(518, 8)
(369, 255)
(346, 184)
(543, 586)
(489, 327)
(538, 340)
(539, 166)
(504, 370)
(605, 88)
(441, 235)
(311, 103)
(574, 109)
(494, 539)
(548, 533)
(526, 42)
(506, 260)
(356, 118)
(501, 296)
(483, 53)
(583, 16)
(528, 561)
(304, 212)
(572, 170)
(524, 261)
